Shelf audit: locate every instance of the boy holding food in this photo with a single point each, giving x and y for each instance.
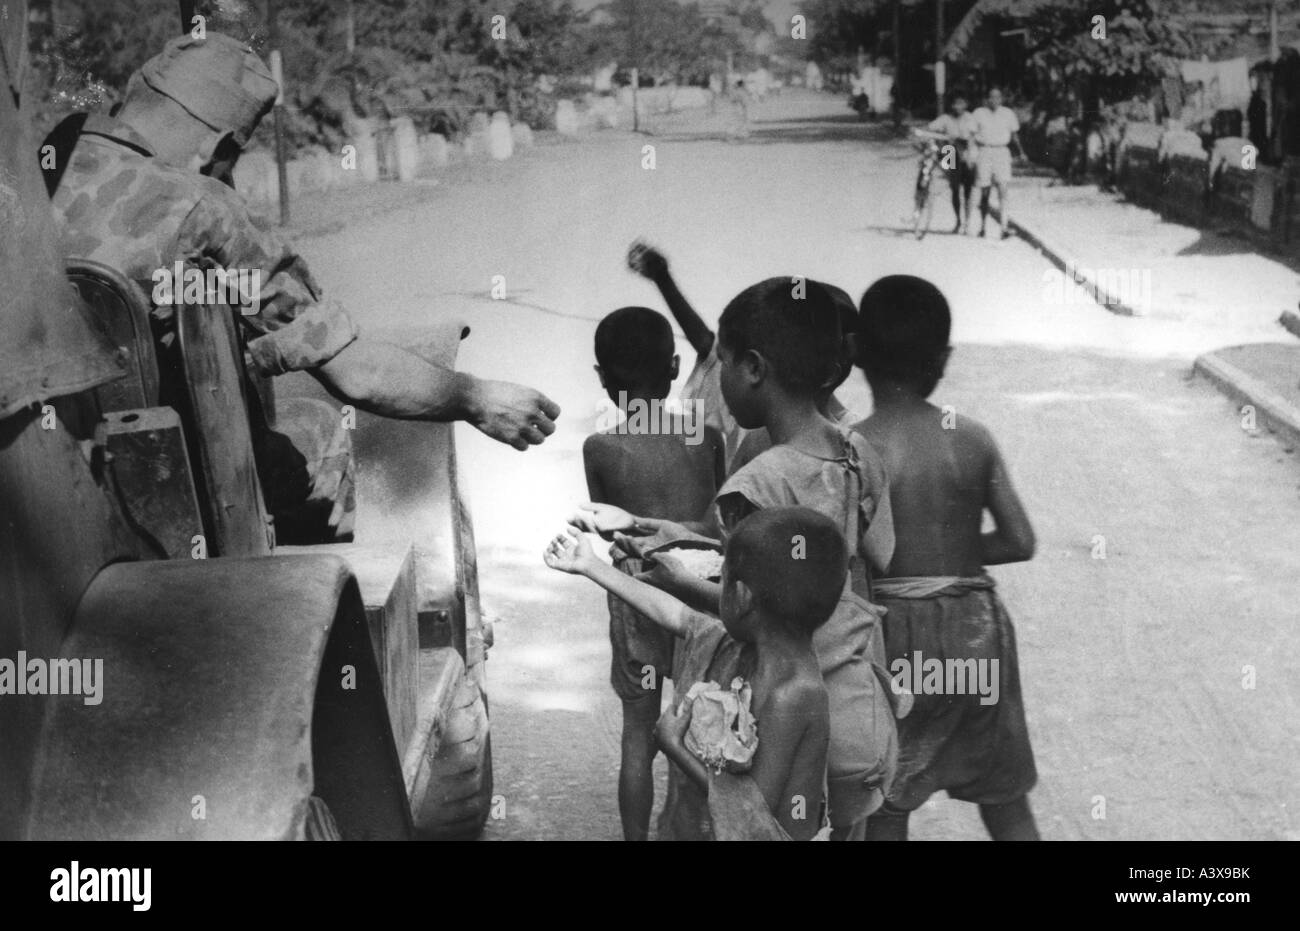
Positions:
(731, 780)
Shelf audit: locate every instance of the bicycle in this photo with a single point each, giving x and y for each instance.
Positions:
(923, 205)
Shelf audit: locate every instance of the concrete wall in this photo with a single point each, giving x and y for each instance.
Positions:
(393, 152)
(1258, 201)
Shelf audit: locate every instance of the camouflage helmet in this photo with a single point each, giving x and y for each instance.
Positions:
(218, 80)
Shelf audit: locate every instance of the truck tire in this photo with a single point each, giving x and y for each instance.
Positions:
(461, 781)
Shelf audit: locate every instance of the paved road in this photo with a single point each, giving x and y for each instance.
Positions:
(1132, 664)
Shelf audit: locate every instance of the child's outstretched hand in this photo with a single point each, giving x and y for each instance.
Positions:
(606, 520)
(569, 552)
(646, 260)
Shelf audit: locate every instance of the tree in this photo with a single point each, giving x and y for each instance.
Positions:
(838, 28)
(1139, 49)
(672, 41)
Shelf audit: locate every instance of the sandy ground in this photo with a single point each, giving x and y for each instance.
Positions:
(1132, 664)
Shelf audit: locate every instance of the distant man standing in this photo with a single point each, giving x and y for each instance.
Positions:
(996, 129)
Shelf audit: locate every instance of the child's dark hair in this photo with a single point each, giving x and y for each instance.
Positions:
(794, 561)
(847, 312)
(790, 322)
(903, 332)
(634, 348)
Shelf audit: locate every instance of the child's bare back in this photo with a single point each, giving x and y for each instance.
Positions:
(663, 475)
(939, 484)
(945, 470)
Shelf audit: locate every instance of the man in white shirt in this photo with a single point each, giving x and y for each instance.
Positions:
(996, 129)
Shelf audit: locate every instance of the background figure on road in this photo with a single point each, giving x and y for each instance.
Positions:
(958, 126)
(995, 134)
(739, 96)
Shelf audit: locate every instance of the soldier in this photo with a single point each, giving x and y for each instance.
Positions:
(139, 191)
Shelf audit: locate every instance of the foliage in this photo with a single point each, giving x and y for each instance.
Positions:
(838, 28)
(1137, 50)
(437, 60)
(1141, 46)
(675, 42)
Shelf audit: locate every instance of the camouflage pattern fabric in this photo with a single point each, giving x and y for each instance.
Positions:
(310, 488)
(118, 205)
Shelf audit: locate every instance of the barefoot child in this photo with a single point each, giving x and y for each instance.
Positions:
(778, 346)
(657, 460)
(770, 605)
(941, 604)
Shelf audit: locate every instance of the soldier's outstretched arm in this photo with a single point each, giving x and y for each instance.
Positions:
(388, 381)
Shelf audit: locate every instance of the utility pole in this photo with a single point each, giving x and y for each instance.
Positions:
(350, 28)
(636, 70)
(898, 53)
(940, 69)
(1273, 50)
(277, 71)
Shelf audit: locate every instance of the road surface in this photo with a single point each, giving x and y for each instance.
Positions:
(1133, 664)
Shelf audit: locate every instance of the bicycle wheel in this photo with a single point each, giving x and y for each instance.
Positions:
(924, 211)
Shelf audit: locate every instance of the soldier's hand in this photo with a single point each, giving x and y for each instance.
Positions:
(646, 260)
(514, 415)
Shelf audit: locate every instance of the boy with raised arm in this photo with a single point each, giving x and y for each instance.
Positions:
(659, 460)
(829, 406)
(946, 471)
(782, 575)
(702, 384)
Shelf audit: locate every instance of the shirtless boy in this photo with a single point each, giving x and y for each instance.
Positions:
(664, 462)
(771, 605)
(944, 474)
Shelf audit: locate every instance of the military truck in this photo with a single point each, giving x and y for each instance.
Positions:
(248, 690)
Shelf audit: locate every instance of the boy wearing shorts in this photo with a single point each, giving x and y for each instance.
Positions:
(941, 605)
(660, 460)
(995, 136)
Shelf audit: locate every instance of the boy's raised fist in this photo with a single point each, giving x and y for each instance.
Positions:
(646, 260)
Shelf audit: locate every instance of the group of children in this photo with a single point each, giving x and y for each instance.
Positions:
(848, 547)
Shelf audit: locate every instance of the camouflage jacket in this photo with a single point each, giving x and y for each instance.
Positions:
(119, 205)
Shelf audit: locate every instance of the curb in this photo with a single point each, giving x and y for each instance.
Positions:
(1066, 263)
(1272, 410)
(1291, 321)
